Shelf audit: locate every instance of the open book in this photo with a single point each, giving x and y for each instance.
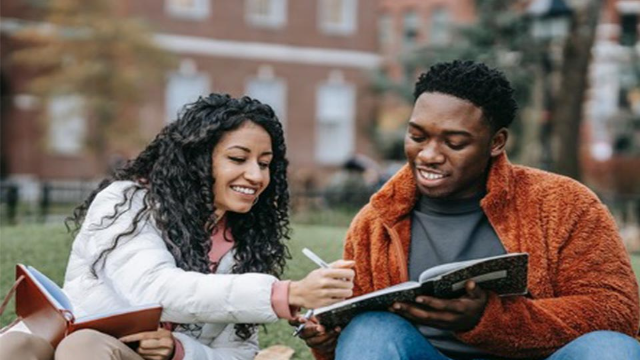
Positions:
(45, 309)
(503, 274)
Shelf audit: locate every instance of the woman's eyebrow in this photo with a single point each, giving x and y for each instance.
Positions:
(247, 150)
(239, 147)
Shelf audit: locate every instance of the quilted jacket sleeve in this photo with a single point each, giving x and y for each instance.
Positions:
(594, 286)
(142, 271)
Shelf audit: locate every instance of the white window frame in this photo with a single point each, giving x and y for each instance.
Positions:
(277, 17)
(444, 37)
(172, 108)
(350, 18)
(279, 109)
(385, 31)
(67, 121)
(201, 10)
(324, 154)
(415, 27)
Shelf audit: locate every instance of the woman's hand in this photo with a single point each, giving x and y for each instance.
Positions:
(323, 287)
(154, 345)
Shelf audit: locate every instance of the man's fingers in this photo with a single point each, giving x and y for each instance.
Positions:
(410, 312)
(297, 320)
(453, 305)
(322, 340)
(473, 290)
(310, 330)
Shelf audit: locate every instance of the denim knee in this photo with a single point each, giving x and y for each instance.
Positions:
(383, 335)
(600, 345)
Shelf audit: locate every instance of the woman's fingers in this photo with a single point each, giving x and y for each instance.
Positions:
(342, 264)
(343, 274)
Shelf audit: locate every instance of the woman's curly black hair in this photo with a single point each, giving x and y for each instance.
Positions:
(486, 88)
(175, 169)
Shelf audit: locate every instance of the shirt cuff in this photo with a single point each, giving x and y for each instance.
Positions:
(280, 300)
(178, 350)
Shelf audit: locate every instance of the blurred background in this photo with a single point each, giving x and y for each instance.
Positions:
(86, 84)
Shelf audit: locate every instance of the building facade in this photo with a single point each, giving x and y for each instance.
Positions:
(309, 60)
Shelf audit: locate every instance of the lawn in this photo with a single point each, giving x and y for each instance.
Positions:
(47, 247)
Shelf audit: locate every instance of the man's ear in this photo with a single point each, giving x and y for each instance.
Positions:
(499, 142)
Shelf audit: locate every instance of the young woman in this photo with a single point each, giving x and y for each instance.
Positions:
(197, 223)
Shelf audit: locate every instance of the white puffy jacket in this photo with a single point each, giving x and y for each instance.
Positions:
(141, 271)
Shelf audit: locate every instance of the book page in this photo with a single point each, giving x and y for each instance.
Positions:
(396, 288)
(51, 289)
(115, 312)
(437, 271)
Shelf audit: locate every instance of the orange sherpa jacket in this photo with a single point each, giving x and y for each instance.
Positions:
(580, 276)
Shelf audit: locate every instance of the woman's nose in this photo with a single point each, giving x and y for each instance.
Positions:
(253, 173)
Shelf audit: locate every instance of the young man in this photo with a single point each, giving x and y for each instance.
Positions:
(459, 198)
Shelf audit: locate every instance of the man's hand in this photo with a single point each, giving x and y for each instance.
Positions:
(459, 314)
(316, 336)
(154, 345)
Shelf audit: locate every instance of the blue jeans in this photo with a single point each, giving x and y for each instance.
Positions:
(383, 335)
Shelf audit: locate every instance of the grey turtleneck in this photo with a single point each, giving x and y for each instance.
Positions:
(444, 231)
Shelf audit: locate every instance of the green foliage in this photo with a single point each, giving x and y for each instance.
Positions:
(88, 48)
(500, 38)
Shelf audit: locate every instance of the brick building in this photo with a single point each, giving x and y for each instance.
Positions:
(405, 25)
(310, 60)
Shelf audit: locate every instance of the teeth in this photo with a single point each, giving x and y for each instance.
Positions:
(244, 190)
(431, 176)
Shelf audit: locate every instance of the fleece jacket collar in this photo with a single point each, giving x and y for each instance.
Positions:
(398, 196)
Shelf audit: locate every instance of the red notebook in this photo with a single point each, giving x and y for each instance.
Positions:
(48, 313)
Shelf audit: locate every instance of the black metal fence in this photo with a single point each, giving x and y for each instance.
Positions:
(53, 201)
(46, 200)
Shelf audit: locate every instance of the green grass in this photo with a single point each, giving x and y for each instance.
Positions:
(47, 248)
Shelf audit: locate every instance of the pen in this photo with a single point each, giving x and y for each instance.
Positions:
(316, 259)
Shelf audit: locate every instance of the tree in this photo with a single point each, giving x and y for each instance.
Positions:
(500, 37)
(567, 114)
(90, 49)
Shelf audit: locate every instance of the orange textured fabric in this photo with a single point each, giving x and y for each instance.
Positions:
(580, 276)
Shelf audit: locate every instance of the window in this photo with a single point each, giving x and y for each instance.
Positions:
(271, 92)
(183, 89)
(266, 13)
(338, 16)
(67, 125)
(385, 31)
(188, 9)
(440, 32)
(335, 112)
(411, 28)
(629, 31)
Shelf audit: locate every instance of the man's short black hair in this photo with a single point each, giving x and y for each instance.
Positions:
(486, 88)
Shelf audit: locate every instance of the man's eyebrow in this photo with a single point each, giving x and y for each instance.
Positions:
(414, 125)
(457, 133)
(247, 150)
(446, 132)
